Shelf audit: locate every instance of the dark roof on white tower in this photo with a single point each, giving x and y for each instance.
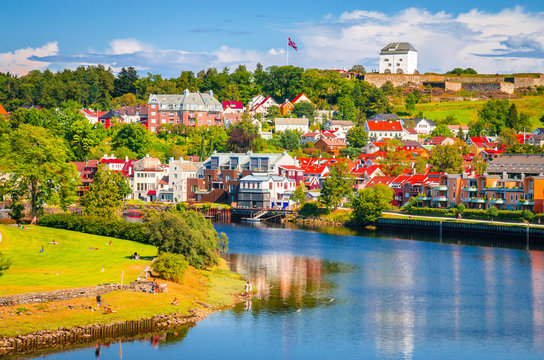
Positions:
(397, 48)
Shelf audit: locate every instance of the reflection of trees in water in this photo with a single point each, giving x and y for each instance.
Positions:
(283, 282)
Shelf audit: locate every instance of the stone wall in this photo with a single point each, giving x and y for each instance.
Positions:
(61, 338)
(486, 87)
(64, 294)
(403, 79)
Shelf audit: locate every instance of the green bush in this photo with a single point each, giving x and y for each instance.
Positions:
(429, 211)
(4, 263)
(170, 267)
(312, 209)
(113, 227)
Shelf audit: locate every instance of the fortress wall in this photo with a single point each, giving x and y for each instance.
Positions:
(405, 79)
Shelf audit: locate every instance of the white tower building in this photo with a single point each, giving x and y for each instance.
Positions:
(398, 58)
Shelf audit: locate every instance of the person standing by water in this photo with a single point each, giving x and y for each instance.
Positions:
(246, 288)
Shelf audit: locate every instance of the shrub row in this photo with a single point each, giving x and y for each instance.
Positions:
(113, 227)
(502, 215)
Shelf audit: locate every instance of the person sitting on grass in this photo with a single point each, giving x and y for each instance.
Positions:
(175, 302)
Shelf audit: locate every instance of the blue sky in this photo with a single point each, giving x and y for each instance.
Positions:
(168, 36)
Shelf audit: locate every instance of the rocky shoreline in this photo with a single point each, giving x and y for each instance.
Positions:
(62, 337)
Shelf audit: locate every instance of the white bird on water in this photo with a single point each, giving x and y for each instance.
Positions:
(331, 300)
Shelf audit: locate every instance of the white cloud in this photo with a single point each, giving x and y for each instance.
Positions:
(505, 41)
(19, 62)
(126, 46)
(511, 40)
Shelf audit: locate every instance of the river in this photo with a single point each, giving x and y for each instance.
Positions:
(330, 296)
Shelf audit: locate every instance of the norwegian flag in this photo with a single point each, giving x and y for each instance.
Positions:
(292, 44)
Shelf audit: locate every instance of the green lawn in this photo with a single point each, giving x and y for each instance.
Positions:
(467, 111)
(71, 263)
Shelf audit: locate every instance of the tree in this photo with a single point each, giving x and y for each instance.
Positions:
(187, 233)
(125, 82)
(4, 263)
(133, 137)
(304, 109)
(446, 158)
(289, 140)
(388, 88)
(507, 137)
(478, 165)
(242, 136)
(106, 194)
(37, 163)
(442, 130)
(336, 186)
(411, 101)
(421, 165)
(273, 112)
(492, 212)
(350, 152)
(299, 195)
(346, 108)
(357, 137)
(370, 202)
(358, 69)
(170, 267)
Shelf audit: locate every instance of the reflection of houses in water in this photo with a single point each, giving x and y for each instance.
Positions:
(291, 276)
(395, 318)
(537, 280)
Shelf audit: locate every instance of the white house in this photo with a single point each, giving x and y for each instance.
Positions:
(293, 124)
(424, 126)
(173, 187)
(377, 130)
(148, 172)
(265, 191)
(398, 58)
(259, 105)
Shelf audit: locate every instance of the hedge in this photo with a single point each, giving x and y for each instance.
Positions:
(114, 227)
(503, 215)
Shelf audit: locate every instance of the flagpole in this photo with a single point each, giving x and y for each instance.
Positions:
(287, 52)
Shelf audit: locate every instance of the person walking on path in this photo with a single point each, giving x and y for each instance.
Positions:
(98, 302)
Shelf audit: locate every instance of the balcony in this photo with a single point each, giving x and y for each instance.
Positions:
(441, 188)
(441, 198)
(525, 202)
(496, 201)
(424, 197)
(478, 201)
(470, 188)
(497, 189)
(466, 200)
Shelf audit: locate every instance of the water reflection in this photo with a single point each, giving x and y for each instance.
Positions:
(327, 296)
(284, 282)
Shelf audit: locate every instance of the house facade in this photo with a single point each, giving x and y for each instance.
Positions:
(293, 124)
(190, 109)
(377, 130)
(265, 191)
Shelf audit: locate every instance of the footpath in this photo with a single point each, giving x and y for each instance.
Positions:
(438, 218)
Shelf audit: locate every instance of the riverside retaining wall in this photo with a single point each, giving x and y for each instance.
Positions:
(60, 338)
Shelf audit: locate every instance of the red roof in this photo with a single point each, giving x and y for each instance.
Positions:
(232, 105)
(3, 111)
(411, 131)
(298, 97)
(93, 113)
(384, 125)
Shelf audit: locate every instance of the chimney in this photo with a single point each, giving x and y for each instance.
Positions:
(126, 158)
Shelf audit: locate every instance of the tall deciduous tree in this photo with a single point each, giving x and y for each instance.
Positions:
(336, 186)
(304, 109)
(37, 163)
(188, 233)
(357, 137)
(242, 136)
(106, 194)
(346, 108)
(370, 202)
(289, 140)
(446, 158)
(133, 137)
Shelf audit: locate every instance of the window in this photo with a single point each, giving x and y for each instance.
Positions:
(175, 176)
(153, 113)
(163, 113)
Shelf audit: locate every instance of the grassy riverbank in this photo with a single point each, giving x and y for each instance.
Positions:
(73, 264)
